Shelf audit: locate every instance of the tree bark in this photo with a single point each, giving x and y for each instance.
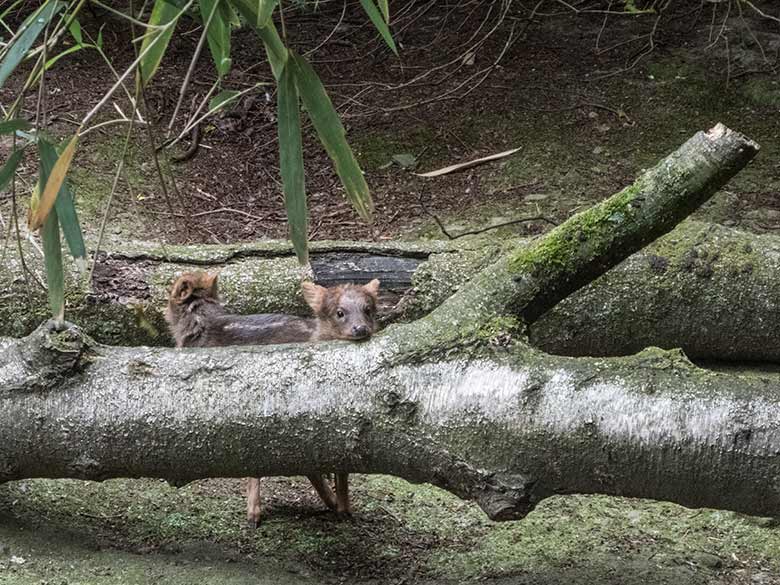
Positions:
(456, 398)
(506, 427)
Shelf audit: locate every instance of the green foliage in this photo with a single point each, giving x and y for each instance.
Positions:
(64, 205)
(256, 13)
(9, 168)
(291, 162)
(13, 54)
(75, 31)
(164, 15)
(379, 21)
(222, 99)
(332, 135)
(52, 254)
(11, 126)
(631, 7)
(50, 187)
(218, 15)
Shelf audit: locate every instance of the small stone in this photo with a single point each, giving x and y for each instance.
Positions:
(708, 560)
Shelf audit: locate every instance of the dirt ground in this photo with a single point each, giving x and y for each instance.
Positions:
(588, 101)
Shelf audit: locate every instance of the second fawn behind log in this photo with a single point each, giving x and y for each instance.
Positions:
(196, 318)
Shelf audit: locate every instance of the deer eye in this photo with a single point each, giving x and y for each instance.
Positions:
(340, 314)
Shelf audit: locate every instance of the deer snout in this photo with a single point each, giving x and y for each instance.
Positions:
(360, 331)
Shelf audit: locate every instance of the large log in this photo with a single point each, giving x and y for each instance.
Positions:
(506, 427)
(456, 399)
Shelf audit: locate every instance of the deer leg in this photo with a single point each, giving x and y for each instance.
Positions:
(253, 502)
(342, 494)
(324, 490)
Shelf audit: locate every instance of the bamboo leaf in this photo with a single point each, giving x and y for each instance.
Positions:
(50, 63)
(291, 163)
(64, 205)
(9, 168)
(75, 31)
(222, 98)
(53, 184)
(379, 22)
(218, 33)
(11, 126)
(52, 257)
(32, 27)
(234, 19)
(162, 13)
(332, 135)
(257, 13)
(383, 6)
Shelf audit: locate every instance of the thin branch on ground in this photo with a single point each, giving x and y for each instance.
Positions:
(760, 12)
(332, 32)
(450, 236)
(722, 28)
(191, 69)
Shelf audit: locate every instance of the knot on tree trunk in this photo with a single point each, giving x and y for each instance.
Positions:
(505, 497)
(51, 353)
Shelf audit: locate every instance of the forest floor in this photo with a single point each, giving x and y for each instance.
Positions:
(588, 111)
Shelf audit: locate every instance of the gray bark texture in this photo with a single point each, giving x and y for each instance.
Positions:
(456, 398)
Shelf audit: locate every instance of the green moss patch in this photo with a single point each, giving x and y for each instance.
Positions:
(141, 531)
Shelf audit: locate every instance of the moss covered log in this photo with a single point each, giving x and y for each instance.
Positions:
(710, 290)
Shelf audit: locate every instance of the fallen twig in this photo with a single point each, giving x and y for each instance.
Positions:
(467, 165)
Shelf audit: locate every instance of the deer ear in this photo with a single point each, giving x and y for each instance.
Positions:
(182, 290)
(372, 287)
(314, 295)
(211, 285)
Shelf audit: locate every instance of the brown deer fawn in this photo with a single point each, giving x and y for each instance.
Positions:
(197, 319)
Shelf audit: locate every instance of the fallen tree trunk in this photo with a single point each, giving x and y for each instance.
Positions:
(456, 399)
(707, 289)
(504, 427)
